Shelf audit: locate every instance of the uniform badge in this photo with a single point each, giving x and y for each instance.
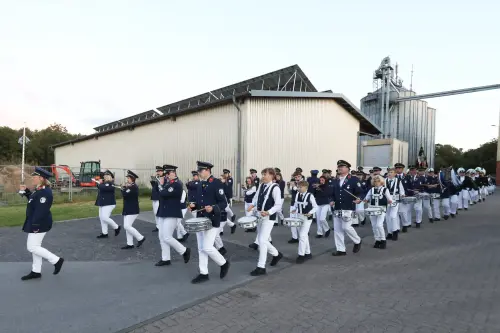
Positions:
(196, 183)
(229, 181)
(348, 186)
(127, 191)
(359, 185)
(221, 192)
(170, 189)
(43, 199)
(210, 180)
(107, 184)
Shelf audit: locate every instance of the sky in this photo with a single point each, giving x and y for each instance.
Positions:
(86, 63)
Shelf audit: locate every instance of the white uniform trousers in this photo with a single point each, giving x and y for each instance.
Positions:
(167, 240)
(427, 206)
(34, 245)
(180, 229)
(218, 240)
(206, 249)
(321, 222)
(391, 219)
(339, 228)
(266, 226)
(453, 204)
(280, 213)
(474, 196)
(229, 212)
(417, 206)
(304, 246)
(436, 205)
(378, 226)
(104, 217)
(403, 210)
(247, 213)
(484, 192)
(360, 211)
(156, 205)
(295, 234)
(463, 199)
(445, 202)
(130, 231)
(257, 236)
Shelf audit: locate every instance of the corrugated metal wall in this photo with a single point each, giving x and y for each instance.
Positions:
(299, 132)
(209, 135)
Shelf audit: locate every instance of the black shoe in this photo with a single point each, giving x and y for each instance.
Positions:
(233, 228)
(376, 245)
(258, 271)
(117, 231)
(395, 235)
(102, 236)
(446, 217)
(319, 236)
(186, 255)
(253, 246)
(233, 218)
(436, 220)
(222, 251)
(431, 220)
(363, 222)
(383, 245)
(276, 224)
(452, 216)
(163, 263)
(355, 225)
(405, 229)
(356, 247)
(389, 236)
(200, 278)
(308, 256)
(58, 266)
(484, 199)
(327, 233)
(251, 230)
(155, 230)
(139, 243)
(300, 260)
(276, 259)
(224, 269)
(221, 233)
(338, 253)
(126, 247)
(314, 220)
(459, 208)
(185, 237)
(417, 225)
(466, 208)
(32, 275)
(293, 240)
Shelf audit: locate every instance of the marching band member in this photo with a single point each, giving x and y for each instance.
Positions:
(38, 222)
(427, 185)
(312, 180)
(227, 181)
(155, 194)
(293, 189)
(323, 194)
(454, 193)
(360, 208)
(378, 196)
(396, 189)
(249, 190)
(483, 183)
(414, 188)
(169, 212)
(305, 205)
(403, 208)
(343, 203)
(256, 181)
(445, 190)
(211, 201)
(282, 184)
(106, 202)
(267, 203)
(130, 194)
(192, 186)
(434, 187)
(182, 234)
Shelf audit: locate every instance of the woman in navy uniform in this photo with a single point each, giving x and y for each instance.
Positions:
(169, 212)
(130, 193)
(38, 222)
(210, 197)
(155, 194)
(282, 184)
(323, 194)
(106, 202)
(227, 182)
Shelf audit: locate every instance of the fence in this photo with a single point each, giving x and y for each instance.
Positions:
(69, 184)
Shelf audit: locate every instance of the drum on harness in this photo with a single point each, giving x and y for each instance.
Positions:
(248, 222)
(198, 224)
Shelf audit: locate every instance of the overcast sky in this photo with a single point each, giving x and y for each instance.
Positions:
(85, 63)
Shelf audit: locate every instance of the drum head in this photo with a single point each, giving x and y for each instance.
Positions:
(246, 219)
(197, 219)
(292, 219)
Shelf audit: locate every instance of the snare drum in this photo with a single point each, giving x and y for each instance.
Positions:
(248, 222)
(293, 222)
(435, 196)
(408, 200)
(423, 196)
(396, 197)
(345, 215)
(374, 210)
(198, 224)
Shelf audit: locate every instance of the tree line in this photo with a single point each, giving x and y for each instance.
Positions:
(485, 157)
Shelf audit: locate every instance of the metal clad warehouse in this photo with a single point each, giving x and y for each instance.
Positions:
(276, 120)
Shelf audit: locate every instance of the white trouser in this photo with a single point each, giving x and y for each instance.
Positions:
(436, 204)
(247, 213)
(339, 227)
(34, 245)
(446, 206)
(360, 211)
(165, 249)
(321, 222)
(218, 240)
(280, 213)
(484, 191)
(417, 206)
(257, 236)
(463, 199)
(295, 234)
(229, 211)
(391, 219)
(453, 204)
(130, 231)
(427, 206)
(378, 226)
(206, 249)
(180, 229)
(168, 224)
(304, 247)
(403, 210)
(266, 226)
(474, 195)
(104, 217)
(156, 205)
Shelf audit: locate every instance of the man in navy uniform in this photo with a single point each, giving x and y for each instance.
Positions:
(106, 202)
(403, 208)
(255, 179)
(344, 205)
(169, 211)
(210, 197)
(312, 180)
(414, 188)
(192, 186)
(228, 191)
(155, 194)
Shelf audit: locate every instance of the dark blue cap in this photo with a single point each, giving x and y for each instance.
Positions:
(343, 163)
(159, 168)
(399, 165)
(132, 175)
(168, 167)
(42, 173)
(314, 172)
(204, 165)
(226, 171)
(253, 171)
(194, 173)
(377, 168)
(109, 173)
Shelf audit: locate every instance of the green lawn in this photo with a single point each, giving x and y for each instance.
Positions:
(11, 216)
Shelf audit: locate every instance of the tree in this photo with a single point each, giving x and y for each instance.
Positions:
(484, 156)
(447, 155)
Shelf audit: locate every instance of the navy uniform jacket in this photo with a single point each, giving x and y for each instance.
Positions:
(414, 184)
(282, 185)
(430, 180)
(342, 199)
(130, 200)
(155, 192)
(38, 215)
(211, 193)
(404, 180)
(192, 188)
(228, 188)
(256, 182)
(323, 194)
(312, 180)
(105, 195)
(170, 199)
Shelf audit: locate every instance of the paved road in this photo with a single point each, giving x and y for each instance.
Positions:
(444, 277)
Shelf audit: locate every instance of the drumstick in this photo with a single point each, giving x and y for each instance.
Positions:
(197, 211)
(355, 197)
